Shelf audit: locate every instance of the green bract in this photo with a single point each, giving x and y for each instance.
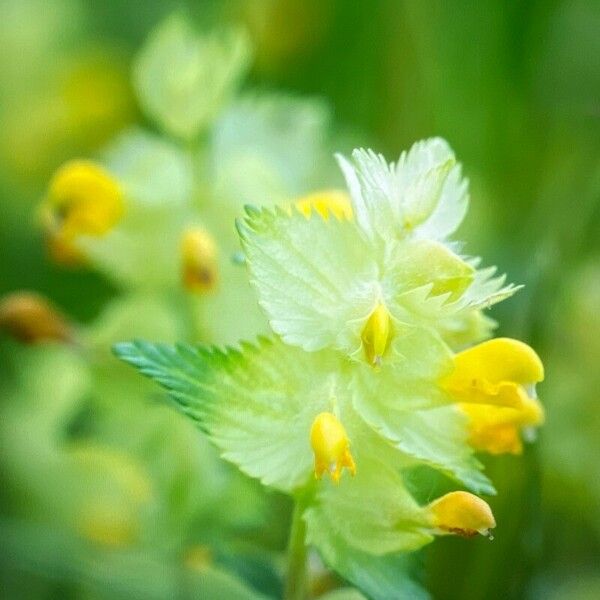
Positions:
(183, 79)
(319, 280)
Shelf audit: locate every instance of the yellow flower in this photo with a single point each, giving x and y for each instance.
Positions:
(199, 260)
(325, 202)
(376, 334)
(331, 447)
(462, 514)
(83, 199)
(494, 383)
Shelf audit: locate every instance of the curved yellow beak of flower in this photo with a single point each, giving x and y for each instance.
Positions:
(494, 383)
(461, 513)
(331, 447)
(376, 334)
(83, 199)
(199, 260)
(325, 202)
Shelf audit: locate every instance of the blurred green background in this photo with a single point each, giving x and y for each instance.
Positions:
(513, 86)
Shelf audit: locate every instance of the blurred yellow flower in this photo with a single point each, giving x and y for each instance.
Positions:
(83, 199)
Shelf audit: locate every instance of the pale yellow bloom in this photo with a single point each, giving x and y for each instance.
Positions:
(199, 260)
(325, 202)
(461, 513)
(331, 447)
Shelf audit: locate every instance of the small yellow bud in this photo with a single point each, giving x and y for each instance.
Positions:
(461, 513)
(199, 261)
(376, 334)
(325, 202)
(331, 447)
(30, 318)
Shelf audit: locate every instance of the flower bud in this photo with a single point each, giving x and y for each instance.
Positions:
(30, 318)
(331, 447)
(462, 514)
(199, 261)
(376, 334)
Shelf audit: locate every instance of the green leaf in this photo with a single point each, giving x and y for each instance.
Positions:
(379, 577)
(422, 195)
(372, 512)
(183, 79)
(257, 404)
(316, 279)
(359, 526)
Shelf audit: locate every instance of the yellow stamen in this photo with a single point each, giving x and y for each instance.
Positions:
(462, 514)
(376, 334)
(331, 447)
(199, 261)
(325, 202)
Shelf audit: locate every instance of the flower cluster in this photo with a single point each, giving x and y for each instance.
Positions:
(364, 381)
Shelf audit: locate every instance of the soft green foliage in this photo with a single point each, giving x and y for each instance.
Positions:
(183, 79)
(397, 256)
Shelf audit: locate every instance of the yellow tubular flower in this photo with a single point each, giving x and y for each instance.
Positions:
(376, 334)
(494, 384)
(462, 514)
(199, 261)
(325, 202)
(331, 447)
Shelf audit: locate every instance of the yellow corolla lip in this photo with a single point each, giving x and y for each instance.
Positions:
(325, 202)
(494, 372)
(199, 260)
(461, 513)
(83, 199)
(331, 447)
(377, 334)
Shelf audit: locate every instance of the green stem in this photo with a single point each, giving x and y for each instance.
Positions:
(295, 583)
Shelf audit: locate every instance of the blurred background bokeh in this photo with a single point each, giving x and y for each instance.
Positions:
(513, 86)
